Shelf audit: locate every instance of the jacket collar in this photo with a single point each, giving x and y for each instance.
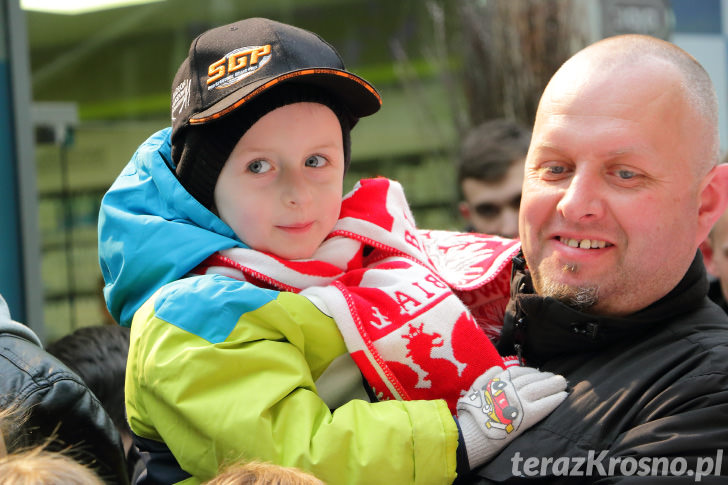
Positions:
(10, 326)
(151, 230)
(539, 328)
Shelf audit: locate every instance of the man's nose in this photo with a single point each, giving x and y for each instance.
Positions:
(582, 199)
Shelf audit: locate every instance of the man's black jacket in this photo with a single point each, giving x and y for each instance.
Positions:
(652, 387)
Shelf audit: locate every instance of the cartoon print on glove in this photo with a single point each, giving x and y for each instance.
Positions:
(499, 403)
(499, 411)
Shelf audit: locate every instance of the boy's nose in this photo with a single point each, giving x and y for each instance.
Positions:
(296, 191)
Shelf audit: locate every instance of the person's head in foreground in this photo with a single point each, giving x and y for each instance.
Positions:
(261, 473)
(621, 183)
(261, 137)
(37, 465)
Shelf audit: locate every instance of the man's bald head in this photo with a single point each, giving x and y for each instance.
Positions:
(620, 184)
(616, 57)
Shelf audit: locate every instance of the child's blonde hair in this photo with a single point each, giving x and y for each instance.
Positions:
(260, 473)
(10, 418)
(38, 466)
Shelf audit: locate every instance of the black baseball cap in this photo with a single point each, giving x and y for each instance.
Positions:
(230, 65)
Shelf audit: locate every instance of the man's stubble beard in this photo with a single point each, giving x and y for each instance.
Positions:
(580, 298)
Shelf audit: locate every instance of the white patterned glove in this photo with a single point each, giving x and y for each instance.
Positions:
(502, 404)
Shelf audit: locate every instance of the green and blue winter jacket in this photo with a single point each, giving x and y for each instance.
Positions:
(220, 370)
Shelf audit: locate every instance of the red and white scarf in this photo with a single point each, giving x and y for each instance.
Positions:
(416, 308)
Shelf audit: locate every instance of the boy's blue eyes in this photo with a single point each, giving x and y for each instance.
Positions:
(259, 166)
(315, 161)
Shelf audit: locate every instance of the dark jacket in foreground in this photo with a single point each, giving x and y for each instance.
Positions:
(648, 392)
(60, 404)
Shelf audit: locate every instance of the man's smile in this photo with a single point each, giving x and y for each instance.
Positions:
(584, 243)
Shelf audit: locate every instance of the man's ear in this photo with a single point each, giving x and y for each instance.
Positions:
(713, 200)
(464, 209)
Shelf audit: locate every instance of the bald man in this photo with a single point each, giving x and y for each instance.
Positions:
(621, 186)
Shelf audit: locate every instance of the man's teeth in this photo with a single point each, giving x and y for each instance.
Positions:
(583, 243)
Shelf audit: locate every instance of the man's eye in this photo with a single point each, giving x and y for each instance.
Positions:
(553, 171)
(259, 166)
(626, 174)
(315, 161)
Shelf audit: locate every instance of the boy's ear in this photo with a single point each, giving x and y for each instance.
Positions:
(713, 200)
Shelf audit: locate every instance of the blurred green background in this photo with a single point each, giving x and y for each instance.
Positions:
(101, 82)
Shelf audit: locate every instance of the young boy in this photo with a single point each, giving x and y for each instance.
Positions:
(259, 296)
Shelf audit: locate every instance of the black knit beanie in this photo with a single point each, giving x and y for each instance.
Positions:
(200, 151)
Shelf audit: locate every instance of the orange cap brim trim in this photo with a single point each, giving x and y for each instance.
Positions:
(285, 77)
